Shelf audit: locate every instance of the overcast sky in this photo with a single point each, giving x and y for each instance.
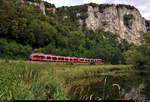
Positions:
(142, 5)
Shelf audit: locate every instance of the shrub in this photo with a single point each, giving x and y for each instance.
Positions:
(69, 63)
(11, 49)
(127, 19)
(92, 63)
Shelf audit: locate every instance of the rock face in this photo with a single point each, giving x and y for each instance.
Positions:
(42, 6)
(112, 19)
(124, 20)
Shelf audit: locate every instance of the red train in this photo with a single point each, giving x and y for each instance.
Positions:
(53, 58)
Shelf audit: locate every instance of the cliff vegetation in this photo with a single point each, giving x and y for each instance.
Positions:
(23, 29)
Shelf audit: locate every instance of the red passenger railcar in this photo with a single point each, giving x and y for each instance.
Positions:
(37, 56)
(53, 58)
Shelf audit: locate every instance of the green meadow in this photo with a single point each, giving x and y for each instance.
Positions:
(46, 81)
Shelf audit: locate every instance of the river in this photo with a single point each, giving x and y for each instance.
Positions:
(119, 86)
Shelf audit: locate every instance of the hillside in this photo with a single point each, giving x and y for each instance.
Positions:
(32, 25)
(124, 20)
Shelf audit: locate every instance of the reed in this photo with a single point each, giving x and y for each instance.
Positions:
(28, 81)
(91, 97)
(104, 87)
(118, 86)
(80, 97)
(76, 90)
(87, 98)
(98, 98)
(45, 81)
(82, 89)
(84, 97)
(89, 89)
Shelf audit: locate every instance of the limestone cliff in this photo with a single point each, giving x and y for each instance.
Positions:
(124, 20)
(45, 7)
(127, 22)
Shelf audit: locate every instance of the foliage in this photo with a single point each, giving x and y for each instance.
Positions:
(139, 56)
(127, 19)
(69, 63)
(11, 49)
(126, 6)
(34, 0)
(83, 71)
(103, 6)
(29, 29)
(92, 63)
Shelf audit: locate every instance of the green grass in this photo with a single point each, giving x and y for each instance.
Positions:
(87, 71)
(25, 81)
(32, 81)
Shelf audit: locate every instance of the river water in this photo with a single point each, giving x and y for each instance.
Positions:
(119, 86)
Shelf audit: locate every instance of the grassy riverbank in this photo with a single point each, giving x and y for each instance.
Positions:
(32, 81)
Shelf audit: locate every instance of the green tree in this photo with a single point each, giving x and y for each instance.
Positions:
(139, 56)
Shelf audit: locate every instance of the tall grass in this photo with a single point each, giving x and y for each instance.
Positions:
(84, 92)
(24, 81)
(28, 81)
(79, 72)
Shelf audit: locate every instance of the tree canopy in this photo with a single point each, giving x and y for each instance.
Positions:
(28, 28)
(139, 56)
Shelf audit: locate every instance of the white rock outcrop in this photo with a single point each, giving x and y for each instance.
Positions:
(112, 19)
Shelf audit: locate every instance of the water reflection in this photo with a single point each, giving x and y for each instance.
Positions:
(131, 86)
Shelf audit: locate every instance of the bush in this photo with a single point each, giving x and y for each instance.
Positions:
(11, 49)
(69, 63)
(127, 19)
(139, 56)
(92, 63)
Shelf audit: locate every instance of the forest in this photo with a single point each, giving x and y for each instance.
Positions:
(24, 29)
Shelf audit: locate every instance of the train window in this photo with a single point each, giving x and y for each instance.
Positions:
(48, 57)
(39, 56)
(70, 59)
(66, 59)
(80, 59)
(60, 58)
(54, 58)
(42, 56)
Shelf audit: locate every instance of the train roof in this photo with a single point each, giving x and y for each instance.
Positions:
(36, 54)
